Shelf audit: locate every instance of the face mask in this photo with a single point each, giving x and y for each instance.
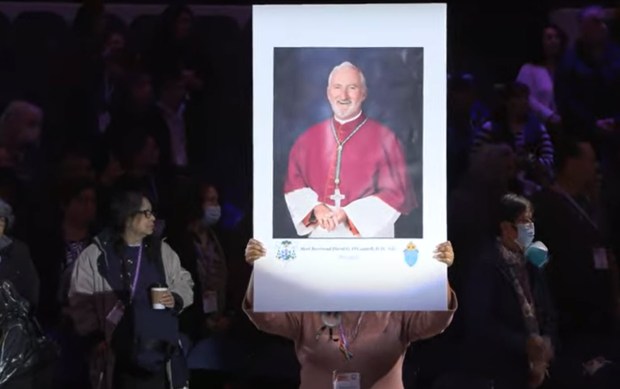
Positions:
(537, 254)
(526, 234)
(212, 215)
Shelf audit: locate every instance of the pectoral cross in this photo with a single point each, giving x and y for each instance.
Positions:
(337, 197)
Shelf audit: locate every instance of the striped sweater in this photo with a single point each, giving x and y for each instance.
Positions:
(533, 142)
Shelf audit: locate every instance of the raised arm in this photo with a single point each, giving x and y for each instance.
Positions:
(283, 324)
(426, 324)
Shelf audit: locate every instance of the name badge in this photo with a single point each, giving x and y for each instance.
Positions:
(600, 259)
(209, 301)
(116, 313)
(346, 380)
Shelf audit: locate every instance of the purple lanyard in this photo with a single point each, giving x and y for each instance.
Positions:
(137, 275)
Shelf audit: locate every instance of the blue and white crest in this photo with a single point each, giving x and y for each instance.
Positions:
(286, 251)
(411, 254)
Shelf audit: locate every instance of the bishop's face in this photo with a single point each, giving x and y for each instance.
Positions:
(346, 93)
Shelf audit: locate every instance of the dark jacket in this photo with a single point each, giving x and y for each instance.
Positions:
(495, 332)
(582, 293)
(17, 267)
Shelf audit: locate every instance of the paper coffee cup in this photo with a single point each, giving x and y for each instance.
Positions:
(156, 295)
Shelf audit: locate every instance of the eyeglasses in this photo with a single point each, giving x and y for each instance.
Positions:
(148, 213)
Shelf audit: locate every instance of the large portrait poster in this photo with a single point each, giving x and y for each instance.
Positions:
(350, 157)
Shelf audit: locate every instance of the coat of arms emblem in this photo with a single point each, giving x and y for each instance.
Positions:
(286, 251)
(411, 254)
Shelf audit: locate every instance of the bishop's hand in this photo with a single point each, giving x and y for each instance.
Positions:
(325, 217)
(254, 251)
(340, 216)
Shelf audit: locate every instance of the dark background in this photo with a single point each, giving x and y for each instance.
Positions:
(300, 101)
(494, 57)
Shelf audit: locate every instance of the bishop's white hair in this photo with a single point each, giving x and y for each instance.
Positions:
(347, 64)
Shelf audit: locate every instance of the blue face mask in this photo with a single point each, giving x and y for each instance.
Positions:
(212, 215)
(537, 254)
(525, 235)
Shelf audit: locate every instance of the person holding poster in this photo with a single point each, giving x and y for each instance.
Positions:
(352, 349)
(347, 176)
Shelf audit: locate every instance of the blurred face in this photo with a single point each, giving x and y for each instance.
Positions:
(116, 41)
(346, 93)
(552, 43)
(142, 91)
(116, 70)
(501, 169)
(112, 171)
(594, 28)
(82, 209)
(28, 122)
(74, 166)
(143, 222)
(183, 25)
(149, 156)
(519, 106)
(175, 93)
(2, 226)
(210, 197)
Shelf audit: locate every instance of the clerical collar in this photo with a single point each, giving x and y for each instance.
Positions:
(348, 120)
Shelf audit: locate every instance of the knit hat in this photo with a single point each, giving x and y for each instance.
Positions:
(6, 211)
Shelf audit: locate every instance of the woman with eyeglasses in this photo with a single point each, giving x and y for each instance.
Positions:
(133, 330)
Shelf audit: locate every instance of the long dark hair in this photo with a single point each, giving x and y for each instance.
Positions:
(537, 55)
(124, 206)
(168, 20)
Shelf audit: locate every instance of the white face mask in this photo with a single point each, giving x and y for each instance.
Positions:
(212, 214)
